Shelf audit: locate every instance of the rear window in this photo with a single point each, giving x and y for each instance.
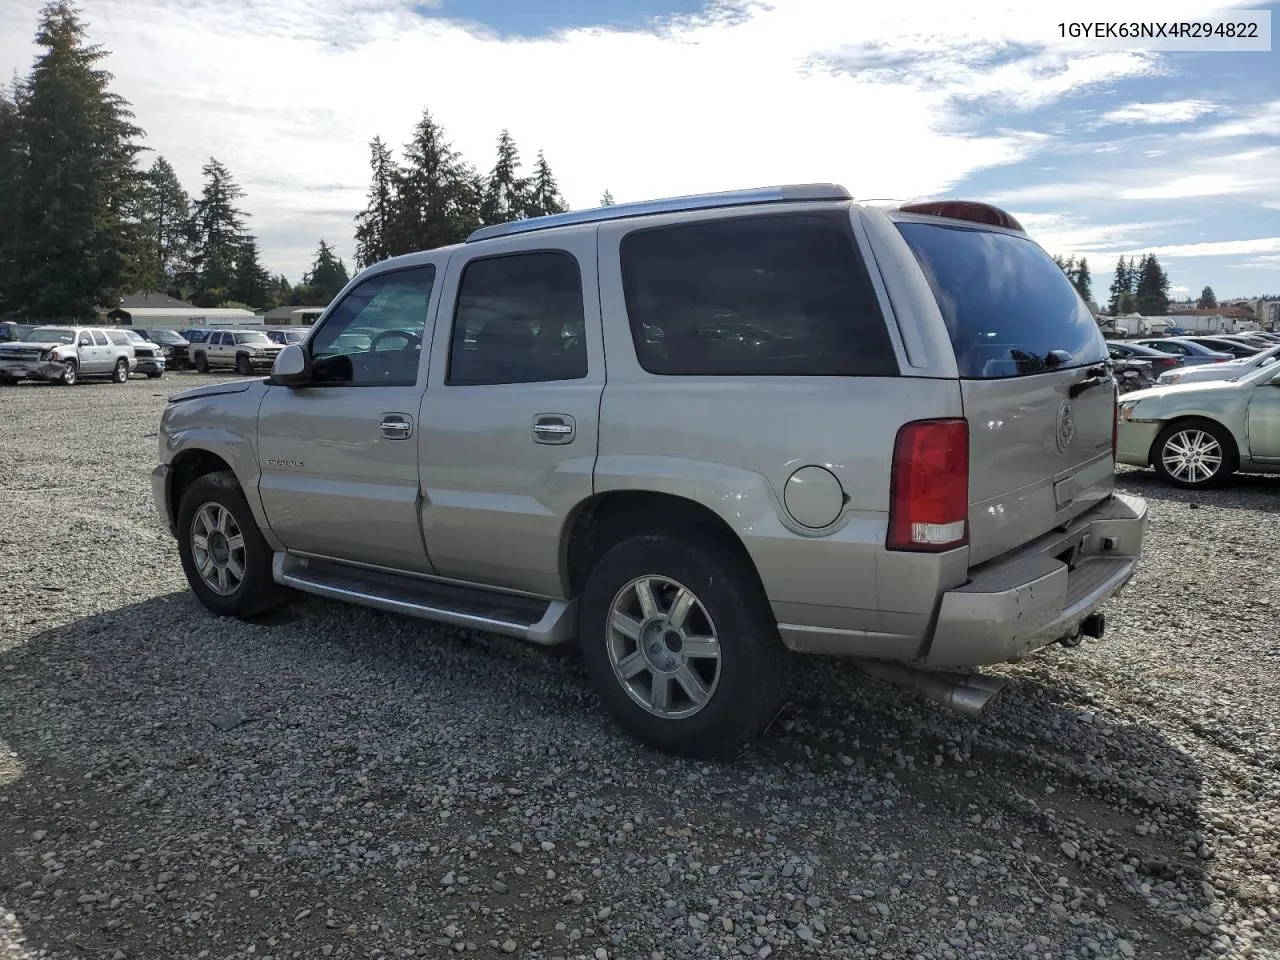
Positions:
(780, 295)
(1007, 305)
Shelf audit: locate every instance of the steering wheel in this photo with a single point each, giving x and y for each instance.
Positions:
(411, 339)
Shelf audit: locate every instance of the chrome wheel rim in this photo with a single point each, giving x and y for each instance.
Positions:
(217, 547)
(68, 372)
(1192, 456)
(122, 372)
(663, 647)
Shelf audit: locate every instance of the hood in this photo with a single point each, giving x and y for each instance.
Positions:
(1175, 389)
(213, 390)
(32, 345)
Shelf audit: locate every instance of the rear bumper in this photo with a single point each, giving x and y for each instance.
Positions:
(1021, 602)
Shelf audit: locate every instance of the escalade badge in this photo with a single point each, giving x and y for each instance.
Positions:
(284, 464)
(1066, 427)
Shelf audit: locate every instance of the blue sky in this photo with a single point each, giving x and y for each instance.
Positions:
(1100, 152)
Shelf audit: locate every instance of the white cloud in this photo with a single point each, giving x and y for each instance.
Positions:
(1172, 111)
(1217, 248)
(1264, 123)
(289, 92)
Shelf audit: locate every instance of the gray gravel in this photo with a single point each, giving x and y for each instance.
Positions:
(335, 782)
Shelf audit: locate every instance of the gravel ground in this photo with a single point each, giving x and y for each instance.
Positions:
(336, 782)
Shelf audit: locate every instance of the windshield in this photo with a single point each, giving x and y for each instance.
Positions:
(135, 336)
(50, 335)
(1008, 307)
(164, 336)
(253, 337)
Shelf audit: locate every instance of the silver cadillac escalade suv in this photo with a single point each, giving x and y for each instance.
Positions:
(694, 435)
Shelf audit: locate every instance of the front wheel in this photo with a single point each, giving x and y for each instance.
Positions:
(1194, 454)
(70, 373)
(225, 558)
(202, 363)
(121, 373)
(243, 366)
(153, 375)
(681, 644)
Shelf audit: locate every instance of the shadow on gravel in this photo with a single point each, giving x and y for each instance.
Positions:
(146, 744)
(1239, 493)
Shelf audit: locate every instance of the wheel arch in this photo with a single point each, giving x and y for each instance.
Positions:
(1186, 419)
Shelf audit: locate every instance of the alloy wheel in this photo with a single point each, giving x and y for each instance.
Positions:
(217, 547)
(1192, 456)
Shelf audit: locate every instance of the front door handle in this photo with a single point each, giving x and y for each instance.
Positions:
(553, 428)
(396, 426)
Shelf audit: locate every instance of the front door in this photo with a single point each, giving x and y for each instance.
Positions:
(339, 456)
(1264, 418)
(509, 423)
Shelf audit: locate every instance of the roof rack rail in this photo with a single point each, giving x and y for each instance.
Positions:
(704, 201)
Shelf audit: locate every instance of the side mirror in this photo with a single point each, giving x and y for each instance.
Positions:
(292, 367)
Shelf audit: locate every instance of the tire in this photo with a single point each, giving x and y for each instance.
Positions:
(70, 373)
(153, 375)
(1212, 440)
(244, 366)
(204, 503)
(743, 684)
(201, 363)
(121, 372)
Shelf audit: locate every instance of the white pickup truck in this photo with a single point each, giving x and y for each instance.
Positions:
(243, 350)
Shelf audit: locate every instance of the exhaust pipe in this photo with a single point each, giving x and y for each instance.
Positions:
(965, 693)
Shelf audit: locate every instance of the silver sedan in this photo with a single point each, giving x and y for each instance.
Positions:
(1198, 434)
(1232, 370)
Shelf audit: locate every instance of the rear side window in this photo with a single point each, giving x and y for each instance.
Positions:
(775, 295)
(1007, 305)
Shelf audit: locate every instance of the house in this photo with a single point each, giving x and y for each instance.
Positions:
(152, 309)
(293, 316)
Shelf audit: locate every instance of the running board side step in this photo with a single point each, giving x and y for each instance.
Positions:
(543, 621)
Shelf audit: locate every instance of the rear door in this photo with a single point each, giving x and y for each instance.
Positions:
(1037, 391)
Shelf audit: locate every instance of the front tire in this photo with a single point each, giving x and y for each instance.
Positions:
(70, 373)
(243, 366)
(153, 375)
(121, 372)
(202, 363)
(1194, 454)
(225, 558)
(681, 645)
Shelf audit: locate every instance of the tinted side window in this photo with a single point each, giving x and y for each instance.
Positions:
(100, 338)
(519, 319)
(1007, 305)
(781, 295)
(118, 338)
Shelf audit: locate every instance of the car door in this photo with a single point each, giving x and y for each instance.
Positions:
(339, 456)
(509, 422)
(1264, 418)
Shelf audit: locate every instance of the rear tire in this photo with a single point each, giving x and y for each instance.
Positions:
(697, 682)
(225, 558)
(201, 363)
(1194, 454)
(121, 372)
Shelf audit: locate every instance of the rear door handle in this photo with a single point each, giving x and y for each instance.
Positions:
(397, 426)
(553, 428)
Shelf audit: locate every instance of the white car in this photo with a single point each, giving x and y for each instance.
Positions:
(1231, 370)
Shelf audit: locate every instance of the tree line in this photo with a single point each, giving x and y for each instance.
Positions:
(1140, 286)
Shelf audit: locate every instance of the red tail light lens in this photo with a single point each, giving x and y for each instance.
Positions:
(929, 486)
(1168, 362)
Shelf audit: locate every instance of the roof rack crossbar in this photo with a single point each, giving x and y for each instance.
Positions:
(704, 201)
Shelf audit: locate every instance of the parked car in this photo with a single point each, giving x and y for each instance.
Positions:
(242, 350)
(1190, 352)
(286, 335)
(149, 355)
(10, 331)
(1132, 375)
(1159, 360)
(1233, 370)
(1197, 435)
(1237, 347)
(65, 355)
(883, 434)
(172, 345)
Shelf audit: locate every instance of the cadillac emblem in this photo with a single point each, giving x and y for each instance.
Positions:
(1066, 427)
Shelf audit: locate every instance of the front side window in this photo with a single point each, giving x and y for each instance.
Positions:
(374, 335)
(779, 295)
(519, 319)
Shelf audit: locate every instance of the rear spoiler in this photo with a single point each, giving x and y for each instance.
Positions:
(970, 210)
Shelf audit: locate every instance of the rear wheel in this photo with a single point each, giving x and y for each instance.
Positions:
(225, 558)
(243, 366)
(121, 372)
(681, 644)
(1194, 454)
(202, 363)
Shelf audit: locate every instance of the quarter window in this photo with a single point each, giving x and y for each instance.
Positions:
(100, 338)
(781, 295)
(519, 319)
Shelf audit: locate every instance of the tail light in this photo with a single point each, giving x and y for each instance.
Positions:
(929, 486)
(1169, 362)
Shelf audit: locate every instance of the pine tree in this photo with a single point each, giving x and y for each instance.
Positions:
(437, 194)
(11, 164)
(607, 199)
(543, 197)
(281, 292)
(78, 184)
(374, 224)
(504, 190)
(1207, 299)
(1083, 281)
(167, 224)
(220, 236)
(1122, 287)
(252, 283)
(327, 277)
(1152, 292)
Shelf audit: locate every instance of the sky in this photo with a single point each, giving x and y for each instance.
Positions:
(1100, 152)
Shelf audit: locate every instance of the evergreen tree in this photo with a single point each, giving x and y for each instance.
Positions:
(281, 292)
(219, 236)
(328, 275)
(167, 225)
(543, 196)
(1152, 292)
(11, 164)
(1207, 299)
(438, 195)
(504, 190)
(78, 184)
(1083, 281)
(252, 283)
(1122, 288)
(374, 224)
(607, 199)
